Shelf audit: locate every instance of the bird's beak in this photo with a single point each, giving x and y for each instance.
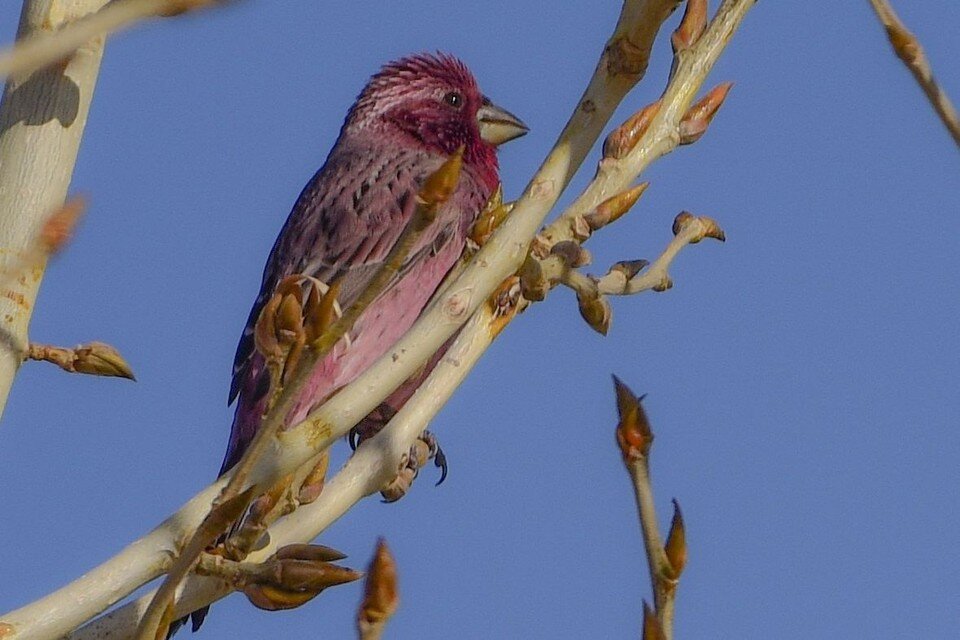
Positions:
(498, 125)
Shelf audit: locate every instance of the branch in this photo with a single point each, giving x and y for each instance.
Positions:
(665, 562)
(50, 45)
(908, 49)
(41, 122)
(375, 462)
(95, 358)
(687, 229)
(651, 135)
(436, 190)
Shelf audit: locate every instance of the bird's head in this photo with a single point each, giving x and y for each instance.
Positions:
(434, 100)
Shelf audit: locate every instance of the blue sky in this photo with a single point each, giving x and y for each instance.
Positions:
(802, 378)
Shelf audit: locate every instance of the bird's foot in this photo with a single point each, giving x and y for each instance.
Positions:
(424, 449)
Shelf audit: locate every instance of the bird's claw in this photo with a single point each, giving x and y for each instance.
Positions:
(424, 449)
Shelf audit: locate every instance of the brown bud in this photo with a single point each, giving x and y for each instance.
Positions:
(676, 546)
(707, 227)
(904, 43)
(440, 185)
(58, 228)
(492, 215)
(652, 629)
(488, 222)
(711, 229)
(630, 268)
(698, 117)
(306, 575)
(271, 598)
(572, 254)
(312, 552)
(100, 359)
(533, 284)
(691, 26)
(380, 597)
(613, 208)
(634, 435)
(596, 310)
(312, 485)
(624, 138)
(681, 221)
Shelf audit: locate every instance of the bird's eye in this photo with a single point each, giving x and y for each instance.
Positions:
(453, 99)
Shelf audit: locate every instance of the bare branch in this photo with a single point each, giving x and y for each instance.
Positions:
(42, 118)
(51, 45)
(95, 358)
(688, 229)
(908, 49)
(665, 562)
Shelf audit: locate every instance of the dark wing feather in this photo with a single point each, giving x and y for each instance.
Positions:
(342, 226)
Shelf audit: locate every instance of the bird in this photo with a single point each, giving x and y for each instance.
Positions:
(410, 117)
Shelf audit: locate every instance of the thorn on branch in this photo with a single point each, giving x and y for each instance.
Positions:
(94, 358)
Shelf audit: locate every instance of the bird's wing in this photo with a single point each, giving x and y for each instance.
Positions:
(342, 226)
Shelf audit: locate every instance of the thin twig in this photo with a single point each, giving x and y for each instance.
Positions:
(94, 358)
(907, 47)
(656, 277)
(43, 49)
(664, 562)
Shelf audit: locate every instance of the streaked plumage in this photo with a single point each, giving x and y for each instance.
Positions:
(408, 119)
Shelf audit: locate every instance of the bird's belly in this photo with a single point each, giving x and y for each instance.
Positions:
(379, 327)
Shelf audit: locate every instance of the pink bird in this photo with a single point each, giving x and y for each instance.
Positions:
(410, 117)
(406, 122)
